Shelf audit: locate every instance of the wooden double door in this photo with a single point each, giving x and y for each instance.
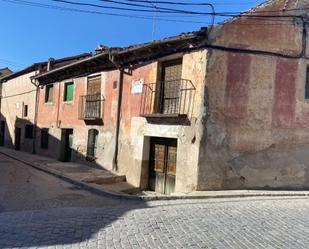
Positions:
(163, 158)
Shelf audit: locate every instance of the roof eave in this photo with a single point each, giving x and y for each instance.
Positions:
(49, 77)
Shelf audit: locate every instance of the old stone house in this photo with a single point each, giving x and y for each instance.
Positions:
(247, 123)
(18, 104)
(117, 116)
(220, 108)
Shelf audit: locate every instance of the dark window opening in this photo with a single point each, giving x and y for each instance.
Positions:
(68, 91)
(92, 144)
(29, 131)
(49, 93)
(44, 138)
(115, 83)
(307, 85)
(25, 110)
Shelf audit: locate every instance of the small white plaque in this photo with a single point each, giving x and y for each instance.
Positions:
(137, 86)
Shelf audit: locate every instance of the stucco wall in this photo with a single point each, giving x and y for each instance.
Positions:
(17, 93)
(256, 134)
(135, 131)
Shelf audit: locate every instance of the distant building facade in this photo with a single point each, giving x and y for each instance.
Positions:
(19, 104)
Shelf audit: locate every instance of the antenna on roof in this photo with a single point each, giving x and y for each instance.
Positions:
(154, 21)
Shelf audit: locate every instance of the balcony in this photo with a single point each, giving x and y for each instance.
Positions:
(90, 107)
(172, 98)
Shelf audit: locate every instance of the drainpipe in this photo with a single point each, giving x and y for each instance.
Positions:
(119, 104)
(120, 88)
(35, 115)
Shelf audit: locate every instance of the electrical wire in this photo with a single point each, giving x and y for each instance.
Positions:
(185, 3)
(171, 10)
(49, 6)
(159, 9)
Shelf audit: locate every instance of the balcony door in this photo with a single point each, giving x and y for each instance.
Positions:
(93, 104)
(170, 86)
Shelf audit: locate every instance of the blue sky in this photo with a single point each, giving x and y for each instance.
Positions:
(31, 34)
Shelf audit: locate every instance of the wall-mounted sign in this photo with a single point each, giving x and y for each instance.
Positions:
(137, 86)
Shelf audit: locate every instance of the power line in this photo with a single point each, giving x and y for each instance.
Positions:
(153, 3)
(54, 7)
(175, 11)
(159, 9)
(175, 3)
(48, 6)
(12, 63)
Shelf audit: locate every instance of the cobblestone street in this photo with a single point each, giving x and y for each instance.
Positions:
(40, 211)
(246, 223)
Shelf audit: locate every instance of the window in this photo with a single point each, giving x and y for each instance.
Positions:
(94, 85)
(115, 83)
(68, 91)
(307, 85)
(92, 144)
(168, 96)
(25, 110)
(44, 138)
(29, 131)
(49, 93)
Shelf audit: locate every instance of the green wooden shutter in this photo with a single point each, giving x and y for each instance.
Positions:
(68, 91)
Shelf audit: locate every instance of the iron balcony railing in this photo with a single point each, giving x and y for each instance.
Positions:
(168, 98)
(91, 107)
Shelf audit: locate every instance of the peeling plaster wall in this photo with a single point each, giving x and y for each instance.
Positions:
(135, 131)
(16, 93)
(59, 115)
(256, 134)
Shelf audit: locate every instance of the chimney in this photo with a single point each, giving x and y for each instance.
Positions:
(50, 64)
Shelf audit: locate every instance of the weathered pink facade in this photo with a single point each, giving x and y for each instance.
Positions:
(257, 129)
(246, 120)
(135, 130)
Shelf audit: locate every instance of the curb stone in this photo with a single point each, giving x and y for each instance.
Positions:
(123, 196)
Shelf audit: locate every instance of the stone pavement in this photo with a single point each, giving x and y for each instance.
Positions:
(107, 184)
(41, 211)
(94, 179)
(25, 188)
(222, 223)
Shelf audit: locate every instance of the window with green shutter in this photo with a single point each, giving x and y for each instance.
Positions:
(68, 91)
